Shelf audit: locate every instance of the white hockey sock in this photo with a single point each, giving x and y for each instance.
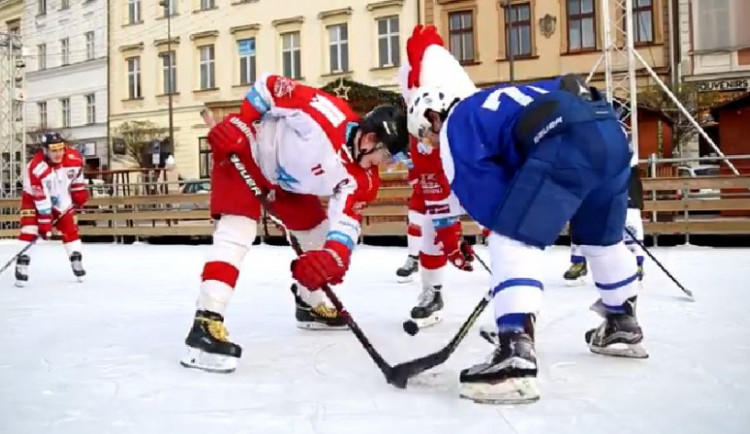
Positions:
(614, 271)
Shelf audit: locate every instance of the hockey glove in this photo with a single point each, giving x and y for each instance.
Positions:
(79, 197)
(459, 253)
(315, 268)
(44, 225)
(227, 138)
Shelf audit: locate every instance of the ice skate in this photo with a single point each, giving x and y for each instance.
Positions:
(77, 265)
(319, 317)
(427, 312)
(22, 270)
(408, 270)
(208, 346)
(619, 335)
(575, 275)
(507, 377)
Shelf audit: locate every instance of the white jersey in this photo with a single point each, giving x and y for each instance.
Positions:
(50, 185)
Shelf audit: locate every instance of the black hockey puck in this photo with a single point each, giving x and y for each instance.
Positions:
(411, 327)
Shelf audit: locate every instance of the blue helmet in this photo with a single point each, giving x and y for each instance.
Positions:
(47, 139)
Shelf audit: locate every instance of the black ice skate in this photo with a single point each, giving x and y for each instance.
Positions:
(208, 346)
(507, 377)
(408, 270)
(619, 335)
(77, 265)
(427, 311)
(22, 270)
(320, 317)
(575, 275)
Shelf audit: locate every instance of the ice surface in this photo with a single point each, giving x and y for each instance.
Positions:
(102, 356)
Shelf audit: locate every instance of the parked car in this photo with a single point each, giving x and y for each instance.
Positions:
(195, 186)
(698, 171)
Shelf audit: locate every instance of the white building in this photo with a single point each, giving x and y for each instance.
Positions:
(66, 72)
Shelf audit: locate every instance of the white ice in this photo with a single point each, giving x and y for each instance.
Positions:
(102, 356)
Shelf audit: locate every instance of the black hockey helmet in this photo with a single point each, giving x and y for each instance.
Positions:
(388, 122)
(51, 139)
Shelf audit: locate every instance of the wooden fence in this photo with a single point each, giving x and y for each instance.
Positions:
(704, 205)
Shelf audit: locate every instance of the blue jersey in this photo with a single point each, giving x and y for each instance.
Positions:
(479, 130)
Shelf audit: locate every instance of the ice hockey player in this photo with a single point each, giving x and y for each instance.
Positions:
(523, 161)
(441, 238)
(633, 223)
(53, 187)
(298, 143)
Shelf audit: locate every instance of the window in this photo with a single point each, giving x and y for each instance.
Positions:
(169, 7)
(204, 158)
(338, 48)
(461, 35)
(134, 77)
(581, 25)
(65, 112)
(519, 23)
(207, 67)
(42, 108)
(169, 72)
(89, 45)
(207, 4)
(291, 56)
(713, 30)
(90, 109)
(643, 21)
(388, 43)
(41, 53)
(64, 4)
(65, 51)
(41, 7)
(134, 11)
(246, 50)
(14, 27)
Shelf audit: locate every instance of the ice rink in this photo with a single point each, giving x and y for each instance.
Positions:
(102, 356)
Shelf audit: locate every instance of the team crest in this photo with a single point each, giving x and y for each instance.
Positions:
(72, 173)
(284, 86)
(425, 148)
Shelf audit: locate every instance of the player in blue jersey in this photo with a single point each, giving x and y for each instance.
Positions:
(524, 161)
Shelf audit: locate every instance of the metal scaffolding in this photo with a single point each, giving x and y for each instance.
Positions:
(12, 125)
(620, 59)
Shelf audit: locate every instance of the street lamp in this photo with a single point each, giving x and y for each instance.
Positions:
(168, 11)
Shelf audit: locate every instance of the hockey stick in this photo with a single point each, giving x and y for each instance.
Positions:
(687, 292)
(403, 371)
(353, 326)
(31, 243)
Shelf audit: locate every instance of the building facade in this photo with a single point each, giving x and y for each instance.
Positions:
(198, 52)
(66, 73)
(545, 37)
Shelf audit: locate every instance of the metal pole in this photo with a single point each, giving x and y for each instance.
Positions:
(508, 29)
(169, 69)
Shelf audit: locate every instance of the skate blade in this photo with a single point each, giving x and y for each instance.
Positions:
(430, 321)
(630, 351)
(20, 283)
(318, 326)
(79, 279)
(405, 279)
(521, 390)
(580, 281)
(208, 362)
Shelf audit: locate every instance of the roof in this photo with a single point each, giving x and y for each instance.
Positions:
(735, 103)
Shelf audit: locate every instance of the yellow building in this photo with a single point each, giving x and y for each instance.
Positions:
(550, 37)
(218, 47)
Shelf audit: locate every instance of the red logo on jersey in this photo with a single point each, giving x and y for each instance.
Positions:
(317, 170)
(283, 86)
(72, 173)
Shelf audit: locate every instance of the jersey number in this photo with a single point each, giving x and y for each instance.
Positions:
(328, 109)
(493, 99)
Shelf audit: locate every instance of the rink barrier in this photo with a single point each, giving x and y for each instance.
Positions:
(674, 202)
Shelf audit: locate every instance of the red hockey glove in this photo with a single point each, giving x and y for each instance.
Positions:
(460, 254)
(318, 267)
(44, 225)
(227, 138)
(80, 197)
(485, 232)
(421, 38)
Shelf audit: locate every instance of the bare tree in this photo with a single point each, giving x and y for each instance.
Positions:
(137, 137)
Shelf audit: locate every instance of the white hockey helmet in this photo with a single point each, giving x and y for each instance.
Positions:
(424, 99)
